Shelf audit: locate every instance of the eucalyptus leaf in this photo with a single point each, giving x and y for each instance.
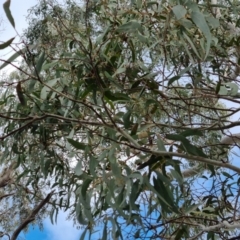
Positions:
(7, 43)
(199, 19)
(179, 11)
(130, 26)
(76, 144)
(6, 7)
(11, 59)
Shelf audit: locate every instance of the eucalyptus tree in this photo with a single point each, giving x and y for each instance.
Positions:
(118, 113)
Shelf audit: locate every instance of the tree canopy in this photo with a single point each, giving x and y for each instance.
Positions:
(119, 112)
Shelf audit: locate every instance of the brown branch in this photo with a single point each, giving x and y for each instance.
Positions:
(22, 127)
(19, 69)
(6, 195)
(235, 238)
(31, 217)
(16, 119)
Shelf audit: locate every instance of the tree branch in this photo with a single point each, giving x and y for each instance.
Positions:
(31, 217)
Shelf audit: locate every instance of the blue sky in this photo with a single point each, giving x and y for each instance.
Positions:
(61, 231)
(36, 234)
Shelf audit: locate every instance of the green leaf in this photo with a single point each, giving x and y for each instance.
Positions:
(173, 79)
(136, 84)
(191, 208)
(166, 202)
(227, 175)
(152, 161)
(116, 170)
(78, 169)
(119, 199)
(175, 137)
(31, 86)
(45, 90)
(177, 176)
(77, 144)
(84, 188)
(199, 19)
(84, 233)
(163, 178)
(10, 60)
(134, 129)
(191, 44)
(192, 6)
(50, 65)
(121, 69)
(186, 23)
(116, 96)
(44, 93)
(180, 232)
(189, 148)
(214, 22)
(92, 165)
(131, 26)
(229, 89)
(7, 43)
(6, 7)
(135, 192)
(40, 63)
(141, 38)
(179, 11)
(109, 77)
(81, 218)
(223, 91)
(191, 132)
(211, 236)
(186, 47)
(104, 236)
(161, 145)
(126, 119)
(51, 215)
(218, 86)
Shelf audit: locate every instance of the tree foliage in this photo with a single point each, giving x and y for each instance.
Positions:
(118, 117)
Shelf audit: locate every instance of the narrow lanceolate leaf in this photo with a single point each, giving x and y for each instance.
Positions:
(161, 145)
(84, 188)
(49, 65)
(191, 44)
(6, 7)
(104, 236)
(191, 132)
(7, 43)
(84, 233)
(189, 148)
(199, 20)
(131, 26)
(40, 62)
(175, 78)
(11, 59)
(77, 144)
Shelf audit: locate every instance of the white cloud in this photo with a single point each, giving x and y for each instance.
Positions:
(62, 230)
